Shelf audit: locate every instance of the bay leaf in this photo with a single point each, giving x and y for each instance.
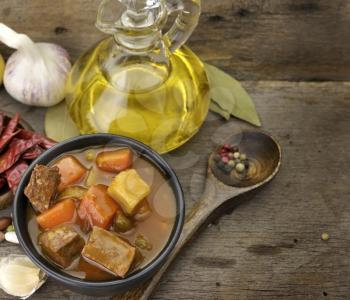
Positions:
(217, 109)
(229, 97)
(58, 124)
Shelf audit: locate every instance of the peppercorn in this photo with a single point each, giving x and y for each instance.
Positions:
(225, 159)
(243, 156)
(236, 155)
(232, 163)
(222, 152)
(235, 149)
(217, 157)
(240, 168)
(227, 169)
(220, 164)
(246, 164)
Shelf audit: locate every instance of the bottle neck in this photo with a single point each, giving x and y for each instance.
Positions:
(138, 42)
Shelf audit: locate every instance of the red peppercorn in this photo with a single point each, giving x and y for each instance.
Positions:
(225, 159)
(223, 151)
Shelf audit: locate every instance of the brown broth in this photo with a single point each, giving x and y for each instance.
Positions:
(156, 227)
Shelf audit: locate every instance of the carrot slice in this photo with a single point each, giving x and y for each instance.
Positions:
(63, 212)
(98, 207)
(71, 171)
(114, 161)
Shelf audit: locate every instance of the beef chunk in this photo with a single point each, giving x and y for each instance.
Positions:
(62, 244)
(42, 187)
(108, 250)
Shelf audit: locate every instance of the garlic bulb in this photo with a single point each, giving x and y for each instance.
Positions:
(36, 73)
(19, 276)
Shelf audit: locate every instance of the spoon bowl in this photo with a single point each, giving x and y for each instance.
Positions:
(264, 156)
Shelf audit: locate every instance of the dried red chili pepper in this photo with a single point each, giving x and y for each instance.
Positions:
(1, 122)
(10, 131)
(16, 148)
(33, 153)
(14, 174)
(2, 182)
(25, 134)
(45, 142)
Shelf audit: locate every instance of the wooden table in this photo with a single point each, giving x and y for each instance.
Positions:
(294, 59)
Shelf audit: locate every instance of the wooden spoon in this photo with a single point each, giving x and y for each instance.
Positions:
(264, 156)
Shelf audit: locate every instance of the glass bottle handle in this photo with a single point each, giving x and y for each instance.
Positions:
(189, 11)
(186, 22)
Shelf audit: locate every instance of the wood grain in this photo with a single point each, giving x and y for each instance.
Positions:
(304, 40)
(270, 247)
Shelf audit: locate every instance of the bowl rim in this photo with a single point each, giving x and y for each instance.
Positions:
(134, 278)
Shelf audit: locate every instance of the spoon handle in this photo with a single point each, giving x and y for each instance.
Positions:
(197, 216)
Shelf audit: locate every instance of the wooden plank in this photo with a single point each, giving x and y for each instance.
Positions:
(254, 40)
(270, 246)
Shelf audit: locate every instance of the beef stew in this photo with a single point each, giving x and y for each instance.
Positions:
(117, 209)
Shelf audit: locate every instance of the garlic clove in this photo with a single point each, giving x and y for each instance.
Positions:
(19, 276)
(11, 237)
(18, 280)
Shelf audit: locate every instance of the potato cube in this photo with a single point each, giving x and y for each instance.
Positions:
(129, 189)
(108, 250)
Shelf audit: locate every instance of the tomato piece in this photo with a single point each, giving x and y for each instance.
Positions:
(62, 212)
(98, 207)
(115, 161)
(71, 171)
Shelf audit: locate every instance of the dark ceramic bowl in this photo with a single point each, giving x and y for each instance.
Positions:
(104, 288)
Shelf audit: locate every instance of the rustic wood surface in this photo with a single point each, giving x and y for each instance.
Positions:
(269, 247)
(253, 39)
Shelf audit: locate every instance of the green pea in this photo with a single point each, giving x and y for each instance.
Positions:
(142, 243)
(90, 155)
(122, 223)
(10, 228)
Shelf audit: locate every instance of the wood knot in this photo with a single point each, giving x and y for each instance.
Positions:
(60, 30)
(216, 18)
(242, 12)
(262, 249)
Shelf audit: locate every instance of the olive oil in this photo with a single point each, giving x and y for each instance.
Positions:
(140, 82)
(160, 104)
